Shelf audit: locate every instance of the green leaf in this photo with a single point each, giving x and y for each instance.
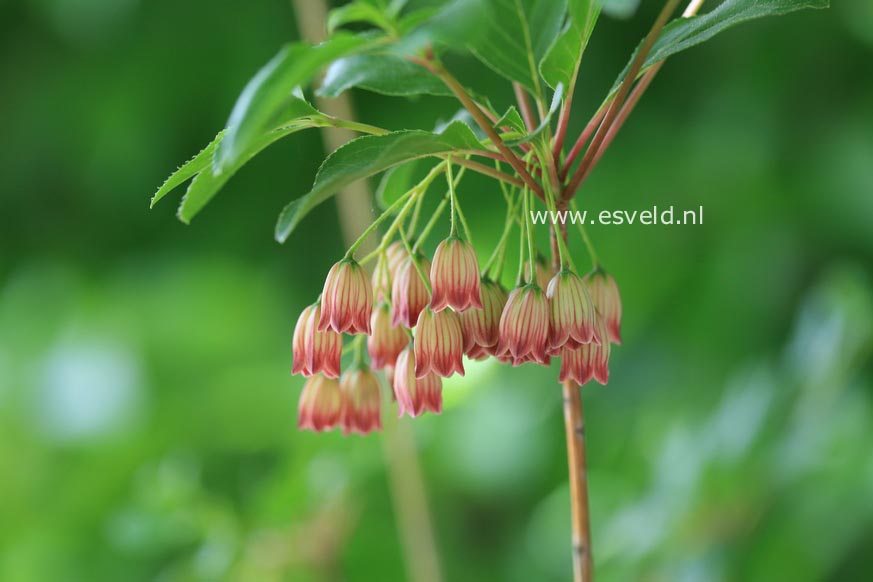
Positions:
(369, 155)
(553, 108)
(207, 183)
(384, 73)
(561, 63)
(272, 88)
(296, 114)
(358, 11)
(684, 33)
(511, 119)
(516, 36)
(396, 182)
(188, 170)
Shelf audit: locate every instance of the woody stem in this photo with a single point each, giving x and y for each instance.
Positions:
(574, 424)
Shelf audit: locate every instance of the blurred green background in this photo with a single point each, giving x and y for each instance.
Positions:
(147, 412)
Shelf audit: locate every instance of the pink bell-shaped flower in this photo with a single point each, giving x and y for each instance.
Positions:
(320, 406)
(481, 326)
(386, 340)
(347, 299)
(571, 311)
(455, 276)
(362, 401)
(409, 294)
(415, 395)
(524, 325)
(604, 292)
(315, 351)
(587, 361)
(438, 344)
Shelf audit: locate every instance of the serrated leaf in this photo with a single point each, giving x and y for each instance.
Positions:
(561, 63)
(517, 36)
(553, 108)
(187, 170)
(272, 87)
(369, 155)
(684, 33)
(511, 119)
(207, 183)
(383, 73)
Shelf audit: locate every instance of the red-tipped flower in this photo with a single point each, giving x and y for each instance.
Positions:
(361, 401)
(415, 395)
(604, 292)
(455, 276)
(409, 293)
(588, 361)
(439, 344)
(386, 270)
(387, 341)
(320, 406)
(524, 325)
(347, 299)
(315, 351)
(571, 312)
(481, 327)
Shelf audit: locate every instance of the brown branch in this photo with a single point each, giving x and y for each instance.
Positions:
(574, 423)
(582, 140)
(618, 101)
(487, 170)
(482, 120)
(524, 106)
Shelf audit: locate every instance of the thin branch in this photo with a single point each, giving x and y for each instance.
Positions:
(488, 171)
(524, 106)
(574, 425)
(481, 120)
(617, 102)
(582, 140)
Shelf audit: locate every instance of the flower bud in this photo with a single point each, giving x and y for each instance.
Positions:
(315, 351)
(438, 344)
(524, 325)
(387, 341)
(571, 311)
(481, 327)
(455, 276)
(347, 299)
(415, 395)
(604, 292)
(362, 401)
(320, 404)
(409, 294)
(588, 361)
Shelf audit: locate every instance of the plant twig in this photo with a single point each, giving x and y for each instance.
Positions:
(574, 424)
(481, 119)
(524, 106)
(619, 98)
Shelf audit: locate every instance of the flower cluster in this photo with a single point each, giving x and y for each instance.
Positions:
(420, 319)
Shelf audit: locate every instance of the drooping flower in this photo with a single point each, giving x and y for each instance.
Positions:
(387, 341)
(604, 292)
(438, 344)
(315, 351)
(455, 276)
(524, 325)
(415, 395)
(481, 327)
(587, 361)
(320, 406)
(386, 270)
(571, 311)
(362, 401)
(347, 299)
(409, 293)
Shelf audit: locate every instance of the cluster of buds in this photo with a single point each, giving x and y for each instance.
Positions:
(421, 319)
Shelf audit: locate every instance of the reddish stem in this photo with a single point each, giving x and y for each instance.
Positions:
(582, 140)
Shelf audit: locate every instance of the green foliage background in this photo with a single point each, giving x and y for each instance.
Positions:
(146, 408)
